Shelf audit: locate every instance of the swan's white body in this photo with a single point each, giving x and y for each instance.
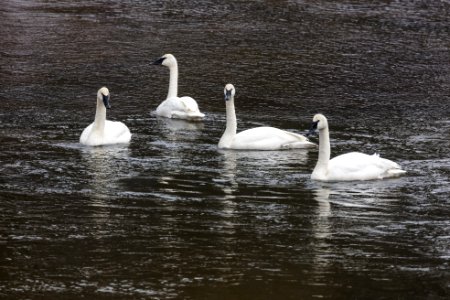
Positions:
(259, 138)
(349, 166)
(102, 131)
(176, 107)
(179, 108)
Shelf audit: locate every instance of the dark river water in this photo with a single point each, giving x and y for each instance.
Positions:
(170, 216)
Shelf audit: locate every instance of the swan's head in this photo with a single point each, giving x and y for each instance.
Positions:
(319, 123)
(229, 91)
(167, 60)
(103, 95)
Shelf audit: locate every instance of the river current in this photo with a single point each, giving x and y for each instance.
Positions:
(170, 216)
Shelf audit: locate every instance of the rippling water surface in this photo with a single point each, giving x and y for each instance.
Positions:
(170, 216)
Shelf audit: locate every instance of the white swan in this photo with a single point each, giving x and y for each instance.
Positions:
(102, 131)
(349, 166)
(174, 106)
(259, 138)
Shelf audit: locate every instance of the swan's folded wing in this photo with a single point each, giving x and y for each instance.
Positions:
(190, 105)
(266, 138)
(168, 106)
(296, 136)
(180, 108)
(116, 132)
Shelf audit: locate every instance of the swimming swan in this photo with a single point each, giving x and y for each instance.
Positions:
(349, 166)
(102, 131)
(174, 106)
(259, 138)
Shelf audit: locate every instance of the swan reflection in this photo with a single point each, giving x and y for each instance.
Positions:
(254, 160)
(259, 167)
(322, 230)
(322, 226)
(177, 124)
(229, 174)
(105, 165)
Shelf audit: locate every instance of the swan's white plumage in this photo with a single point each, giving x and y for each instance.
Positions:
(102, 131)
(114, 133)
(267, 138)
(176, 107)
(180, 108)
(350, 166)
(360, 166)
(259, 138)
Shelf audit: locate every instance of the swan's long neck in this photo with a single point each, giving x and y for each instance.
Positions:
(324, 151)
(100, 117)
(173, 83)
(230, 131)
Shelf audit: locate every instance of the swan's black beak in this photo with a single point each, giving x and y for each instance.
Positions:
(228, 95)
(106, 101)
(159, 61)
(312, 129)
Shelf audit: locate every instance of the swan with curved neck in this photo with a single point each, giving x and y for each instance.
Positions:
(174, 106)
(259, 138)
(102, 131)
(349, 166)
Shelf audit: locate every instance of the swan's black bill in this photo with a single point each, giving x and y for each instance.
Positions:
(312, 129)
(159, 61)
(228, 95)
(106, 101)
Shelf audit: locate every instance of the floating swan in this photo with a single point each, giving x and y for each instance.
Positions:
(349, 166)
(259, 138)
(102, 131)
(174, 106)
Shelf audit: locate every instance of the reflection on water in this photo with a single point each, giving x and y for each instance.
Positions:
(171, 216)
(322, 228)
(229, 175)
(175, 124)
(322, 198)
(104, 166)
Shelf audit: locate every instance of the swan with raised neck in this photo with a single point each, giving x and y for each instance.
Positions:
(102, 131)
(349, 166)
(231, 126)
(174, 106)
(259, 138)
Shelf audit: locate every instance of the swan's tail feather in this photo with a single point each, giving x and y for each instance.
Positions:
(196, 116)
(191, 116)
(396, 172)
